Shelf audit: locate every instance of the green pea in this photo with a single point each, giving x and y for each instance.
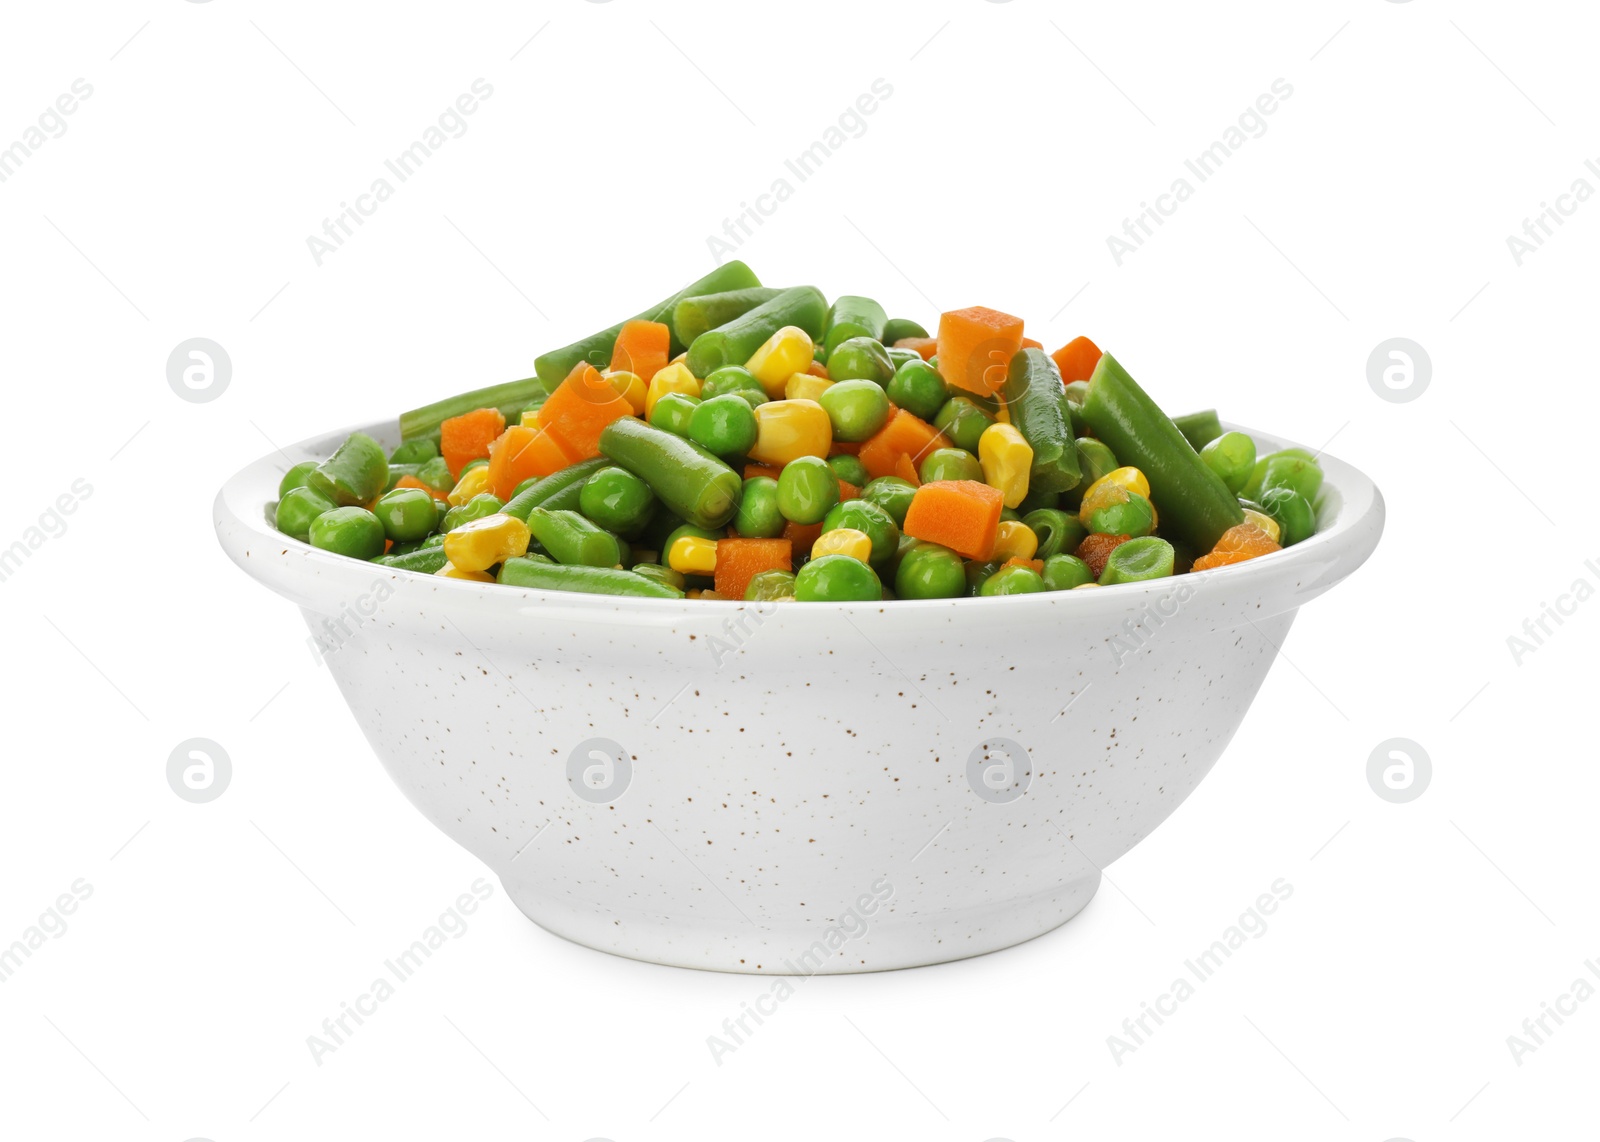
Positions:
(418, 451)
(892, 494)
(735, 379)
(480, 505)
(807, 488)
(918, 388)
(1138, 560)
(837, 579)
(1297, 519)
(1064, 572)
(857, 409)
(1012, 581)
(928, 571)
(673, 413)
(299, 508)
(898, 357)
(869, 519)
(1293, 472)
(963, 422)
(350, 531)
(849, 469)
(899, 328)
(950, 464)
(469, 466)
(617, 500)
(1231, 456)
(1133, 516)
(295, 477)
(758, 516)
(860, 359)
(1057, 531)
(769, 586)
(1255, 485)
(1094, 460)
(407, 514)
(659, 573)
(1077, 391)
(436, 474)
(723, 425)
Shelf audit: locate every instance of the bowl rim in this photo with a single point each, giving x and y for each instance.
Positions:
(1350, 521)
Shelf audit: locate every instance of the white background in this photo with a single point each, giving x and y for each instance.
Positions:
(1018, 136)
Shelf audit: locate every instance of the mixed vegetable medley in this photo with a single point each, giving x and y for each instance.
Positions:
(742, 442)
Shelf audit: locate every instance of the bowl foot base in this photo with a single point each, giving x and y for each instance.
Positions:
(892, 936)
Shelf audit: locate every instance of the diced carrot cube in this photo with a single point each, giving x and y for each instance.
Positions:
(642, 348)
(741, 560)
(465, 438)
(976, 346)
(962, 515)
(1076, 359)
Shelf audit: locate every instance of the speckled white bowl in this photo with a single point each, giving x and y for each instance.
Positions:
(803, 795)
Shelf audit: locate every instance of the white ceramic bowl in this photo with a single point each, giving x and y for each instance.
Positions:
(802, 788)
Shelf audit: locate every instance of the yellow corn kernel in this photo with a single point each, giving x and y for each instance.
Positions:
(1083, 586)
(1002, 415)
(785, 353)
(530, 418)
(471, 484)
(712, 596)
(693, 555)
(789, 429)
(843, 541)
(1130, 478)
(1006, 459)
(1112, 488)
(479, 545)
(805, 386)
(1014, 540)
(675, 378)
(450, 571)
(630, 387)
(1265, 522)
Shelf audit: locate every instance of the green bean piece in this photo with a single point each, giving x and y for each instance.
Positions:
(1293, 472)
(857, 408)
(570, 538)
(758, 516)
(418, 451)
(690, 481)
(869, 519)
(837, 579)
(892, 494)
(559, 491)
(436, 474)
(1012, 581)
(1094, 460)
(298, 509)
(663, 575)
(1057, 531)
(1254, 485)
(850, 469)
(407, 514)
(350, 531)
(770, 586)
(1297, 519)
(1199, 428)
(1196, 506)
(736, 342)
(480, 505)
(1038, 407)
(898, 357)
(1231, 456)
(899, 328)
(398, 472)
(296, 477)
(1064, 572)
(696, 315)
(929, 571)
(553, 367)
(524, 571)
(354, 474)
(850, 317)
(918, 388)
(963, 422)
(860, 359)
(978, 574)
(510, 398)
(1138, 560)
(1076, 392)
(807, 489)
(422, 560)
(1033, 501)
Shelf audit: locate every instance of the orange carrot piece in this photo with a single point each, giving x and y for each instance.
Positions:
(1030, 343)
(1240, 542)
(801, 536)
(465, 438)
(751, 471)
(523, 451)
(846, 447)
(962, 515)
(741, 560)
(642, 349)
(976, 346)
(901, 435)
(906, 468)
(413, 482)
(1034, 565)
(926, 347)
(848, 491)
(1097, 548)
(1076, 359)
(818, 369)
(579, 410)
